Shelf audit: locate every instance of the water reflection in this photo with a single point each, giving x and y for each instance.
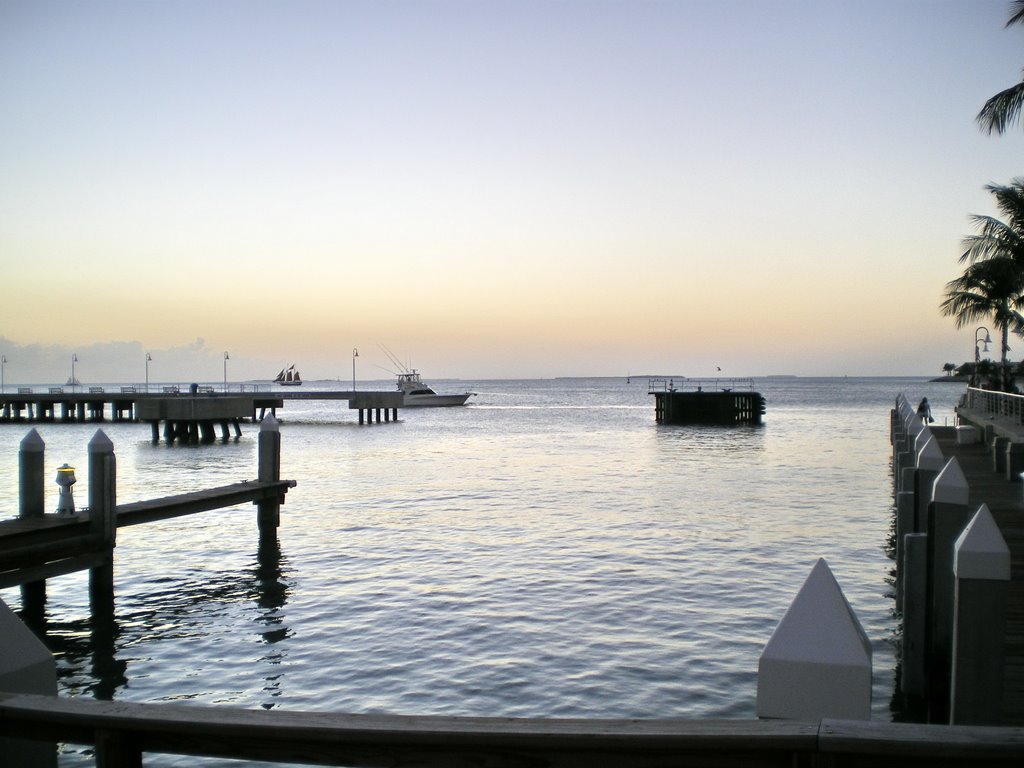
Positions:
(93, 649)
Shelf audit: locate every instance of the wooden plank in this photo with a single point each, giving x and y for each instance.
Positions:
(201, 501)
(898, 743)
(382, 740)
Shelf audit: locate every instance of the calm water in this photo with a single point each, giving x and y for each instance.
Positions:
(546, 551)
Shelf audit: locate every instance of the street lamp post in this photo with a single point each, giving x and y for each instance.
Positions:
(355, 354)
(148, 359)
(73, 381)
(3, 364)
(226, 358)
(975, 378)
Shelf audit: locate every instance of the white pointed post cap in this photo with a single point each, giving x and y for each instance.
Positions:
(817, 663)
(981, 551)
(26, 665)
(950, 485)
(914, 425)
(100, 443)
(270, 424)
(929, 455)
(33, 442)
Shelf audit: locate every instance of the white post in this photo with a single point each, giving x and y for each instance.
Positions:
(982, 585)
(817, 663)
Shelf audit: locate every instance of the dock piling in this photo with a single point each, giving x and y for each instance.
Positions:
(102, 514)
(947, 517)
(982, 564)
(269, 512)
(817, 663)
(32, 495)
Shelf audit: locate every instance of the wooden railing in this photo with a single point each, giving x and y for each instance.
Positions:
(1005, 406)
(121, 732)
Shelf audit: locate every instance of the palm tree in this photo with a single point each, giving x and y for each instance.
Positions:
(1004, 108)
(990, 288)
(998, 238)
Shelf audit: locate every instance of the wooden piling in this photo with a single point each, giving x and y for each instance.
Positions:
(32, 506)
(269, 511)
(982, 566)
(913, 677)
(102, 515)
(947, 517)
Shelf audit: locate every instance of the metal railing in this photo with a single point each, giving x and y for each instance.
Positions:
(684, 384)
(1005, 406)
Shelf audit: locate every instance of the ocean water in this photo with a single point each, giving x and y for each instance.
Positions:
(546, 551)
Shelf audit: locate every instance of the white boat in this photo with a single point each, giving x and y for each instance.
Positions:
(416, 394)
(289, 377)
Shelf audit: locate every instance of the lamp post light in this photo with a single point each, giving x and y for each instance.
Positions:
(3, 364)
(149, 357)
(226, 358)
(975, 378)
(355, 354)
(73, 381)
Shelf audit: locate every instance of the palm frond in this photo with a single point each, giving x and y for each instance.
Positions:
(1002, 110)
(1017, 12)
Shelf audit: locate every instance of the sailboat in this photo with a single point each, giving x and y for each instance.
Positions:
(289, 377)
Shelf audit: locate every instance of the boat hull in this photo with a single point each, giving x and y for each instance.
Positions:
(434, 401)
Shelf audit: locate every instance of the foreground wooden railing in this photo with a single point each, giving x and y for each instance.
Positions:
(121, 732)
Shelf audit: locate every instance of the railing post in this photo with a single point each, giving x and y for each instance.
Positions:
(32, 505)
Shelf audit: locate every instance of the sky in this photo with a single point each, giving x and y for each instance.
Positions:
(493, 189)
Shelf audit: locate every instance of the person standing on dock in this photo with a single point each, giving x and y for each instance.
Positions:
(924, 411)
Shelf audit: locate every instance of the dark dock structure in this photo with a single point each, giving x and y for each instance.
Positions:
(706, 401)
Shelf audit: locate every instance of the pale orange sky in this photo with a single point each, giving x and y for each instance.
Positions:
(497, 190)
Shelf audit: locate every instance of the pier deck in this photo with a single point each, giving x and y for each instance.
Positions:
(1005, 499)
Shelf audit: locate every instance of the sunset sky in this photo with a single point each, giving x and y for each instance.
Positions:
(493, 189)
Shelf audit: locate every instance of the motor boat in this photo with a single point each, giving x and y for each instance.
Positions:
(416, 394)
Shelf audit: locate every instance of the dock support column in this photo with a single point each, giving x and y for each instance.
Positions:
(102, 517)
(32, 505)
(268, 514)
(913, 674)
(947, 517)
(982, 587)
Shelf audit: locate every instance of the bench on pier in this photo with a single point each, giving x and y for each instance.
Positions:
(127, 390)
(96, 390)
(171, 390)
(24, 390)
(56, 390)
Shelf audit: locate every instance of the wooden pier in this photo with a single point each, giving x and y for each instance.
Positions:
(993, 480)
(706, 401)
(190, 415)
(38, 545)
